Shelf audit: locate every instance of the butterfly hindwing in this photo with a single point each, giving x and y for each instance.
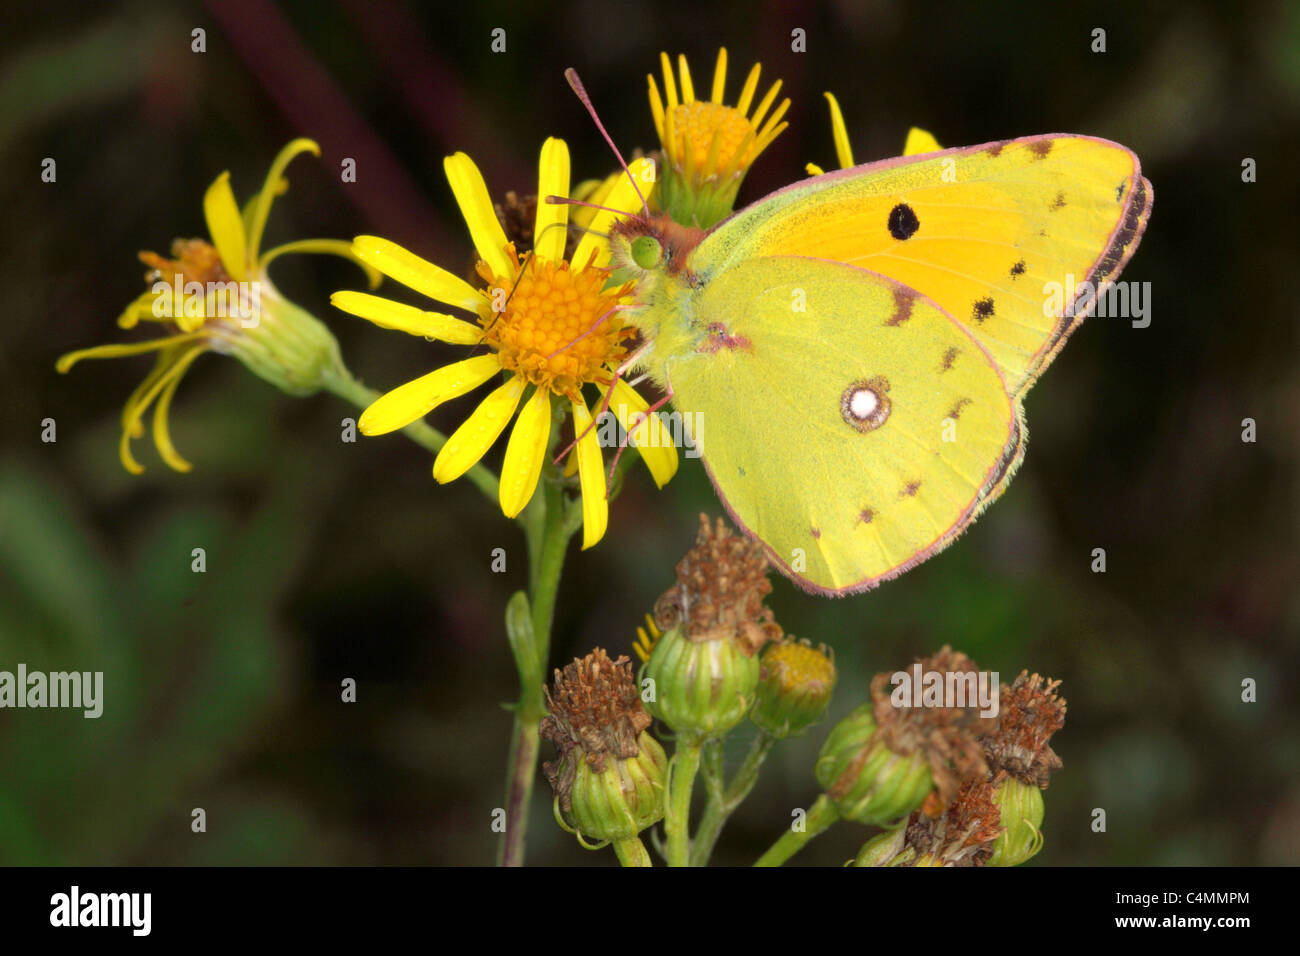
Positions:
(846, 421)
(983, 231)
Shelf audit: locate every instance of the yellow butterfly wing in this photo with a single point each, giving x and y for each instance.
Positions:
(845, 420)
(983, 231)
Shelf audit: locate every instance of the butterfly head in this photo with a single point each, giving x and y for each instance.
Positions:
(642, 249)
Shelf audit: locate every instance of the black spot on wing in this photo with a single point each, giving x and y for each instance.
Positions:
(1018, 269)
(865, 515)
(903, 222)
(982, 309)
(1058, 202)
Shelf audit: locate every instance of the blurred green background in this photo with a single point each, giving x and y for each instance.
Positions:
(329, 560)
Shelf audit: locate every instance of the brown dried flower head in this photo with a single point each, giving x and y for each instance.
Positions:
(963, 834)
(721, 583)
(1029, 713)
(948, 736)
(595, 712)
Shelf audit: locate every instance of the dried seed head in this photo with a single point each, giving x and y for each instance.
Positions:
(595, 712)
(721, 583)
(1030, 712)
(949, 737)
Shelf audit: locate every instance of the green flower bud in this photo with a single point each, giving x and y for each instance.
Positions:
(888, 849)
(610, 773)
(285, 345)
(1021, 808)
(701, 688)
(794, 688)
(624, 798)
(867, 781)
(705, 667)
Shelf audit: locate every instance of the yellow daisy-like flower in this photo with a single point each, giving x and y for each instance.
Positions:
(546, 322)
(918, 140)
(709, 146)
(216, 296)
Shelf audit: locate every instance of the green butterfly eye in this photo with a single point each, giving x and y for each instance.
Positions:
(646, 251)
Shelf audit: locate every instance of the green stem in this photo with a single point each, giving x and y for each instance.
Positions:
(350, 390)
(685, 766)
(632, 852)
(722, 804)
(548, 525)
(821, 816)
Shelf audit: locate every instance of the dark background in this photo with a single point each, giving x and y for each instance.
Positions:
(329, 560)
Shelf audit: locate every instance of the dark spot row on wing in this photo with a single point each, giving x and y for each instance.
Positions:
(1018, 270)
(902, 306)
(949, 357)
(982, 309)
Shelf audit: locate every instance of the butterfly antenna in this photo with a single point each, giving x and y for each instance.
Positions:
(576, 84)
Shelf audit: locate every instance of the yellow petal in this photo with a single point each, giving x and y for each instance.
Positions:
(622, 197)
(920, 141)
(747, 92)
(525, 453)
(843, 152)
(416, 273)
(226, 226)
(471, 441)
(670, 83)
(813, 169)
(273, 185)
(331, 247)
(688, 88)
(549, 230)
(476, 206)
(131, 421)
(162, 438)
(66, 362)
(591, 475)
(141, 308)
(388, 314)
(651, 437)
(415, 399)
(719, 77)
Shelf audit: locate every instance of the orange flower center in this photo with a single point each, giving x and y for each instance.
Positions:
(549, 324)
(697, 124)
(193, 260)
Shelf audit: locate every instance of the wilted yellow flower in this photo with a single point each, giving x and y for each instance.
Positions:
(217, 296)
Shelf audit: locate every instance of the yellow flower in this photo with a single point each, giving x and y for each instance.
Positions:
(548, 323)
(216, 296)
(918, 140)
(709, 146)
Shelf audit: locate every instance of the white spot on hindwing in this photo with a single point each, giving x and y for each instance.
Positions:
(865, 404)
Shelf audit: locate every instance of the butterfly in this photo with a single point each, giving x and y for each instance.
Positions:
(850, 353)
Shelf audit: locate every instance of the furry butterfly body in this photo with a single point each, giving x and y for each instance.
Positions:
(853, 350)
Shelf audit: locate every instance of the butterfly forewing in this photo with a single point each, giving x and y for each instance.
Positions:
(997, 235)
